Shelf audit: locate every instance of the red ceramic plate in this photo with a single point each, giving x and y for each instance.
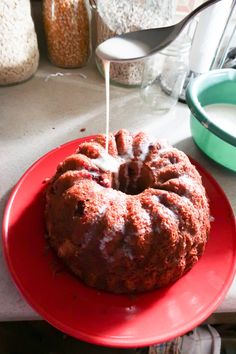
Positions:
(102, 318)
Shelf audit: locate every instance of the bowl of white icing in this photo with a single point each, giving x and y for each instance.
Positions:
(211, 98)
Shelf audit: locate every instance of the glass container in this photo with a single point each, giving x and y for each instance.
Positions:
(19, 55)
(113, 17)
(164, 75)
(66, 24)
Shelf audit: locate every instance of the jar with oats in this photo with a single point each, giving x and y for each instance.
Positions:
(66, 25)
(114, 17)
(19, 54)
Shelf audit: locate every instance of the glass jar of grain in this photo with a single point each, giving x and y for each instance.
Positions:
(19, 54)
(110, 18)
(66, 25)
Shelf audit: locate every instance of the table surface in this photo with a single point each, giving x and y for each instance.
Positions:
(47, 111)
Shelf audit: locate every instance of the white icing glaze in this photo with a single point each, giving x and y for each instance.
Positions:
(192, 188)
(106, 239)
(155, 199)
(161, 155)
(174, 212)
(94, 174)
(102, 209)
(106, 162)
(188, 181)
(186, 200)
(146, 216)
(163, 210)
(168, 212)
(144, 147)
(118, 227)
(129, 153)
(106, 65)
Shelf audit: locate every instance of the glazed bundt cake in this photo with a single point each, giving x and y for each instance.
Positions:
(131, 220)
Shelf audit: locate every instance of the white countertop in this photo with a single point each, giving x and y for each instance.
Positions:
(40, 114)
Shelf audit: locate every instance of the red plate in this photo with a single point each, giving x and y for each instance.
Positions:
(102, 318)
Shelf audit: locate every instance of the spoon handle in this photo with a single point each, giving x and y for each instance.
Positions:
(196, 11)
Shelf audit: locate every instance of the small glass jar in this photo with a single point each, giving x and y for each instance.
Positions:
(164, 75)
(66, 25)
(111, 18)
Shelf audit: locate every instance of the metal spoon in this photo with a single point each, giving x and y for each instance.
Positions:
(139, 44)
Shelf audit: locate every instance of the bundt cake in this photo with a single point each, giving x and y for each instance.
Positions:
(127, 221)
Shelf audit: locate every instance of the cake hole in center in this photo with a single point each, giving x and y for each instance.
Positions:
(134, 177)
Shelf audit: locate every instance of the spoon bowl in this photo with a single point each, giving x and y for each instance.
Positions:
(137, 45)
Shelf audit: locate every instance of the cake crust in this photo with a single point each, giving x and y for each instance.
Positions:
(129, 221)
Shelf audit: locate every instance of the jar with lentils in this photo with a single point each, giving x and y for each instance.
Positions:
(66, 25)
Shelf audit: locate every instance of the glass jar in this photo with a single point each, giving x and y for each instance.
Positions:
(164, 75)
(66, 24)
(114, 17)
(19, 55)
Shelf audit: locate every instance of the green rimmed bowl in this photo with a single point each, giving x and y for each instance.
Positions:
(214, 87)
